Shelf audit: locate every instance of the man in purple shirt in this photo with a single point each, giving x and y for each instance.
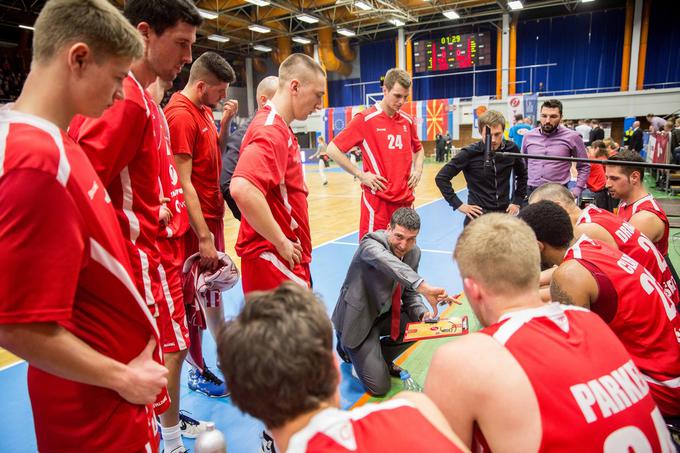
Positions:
(656, 121)
(552, 139)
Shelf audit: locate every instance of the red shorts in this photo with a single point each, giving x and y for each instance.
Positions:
(216, 227)
(268, 271)
(172, 321)
(376, 213)
(145, 276)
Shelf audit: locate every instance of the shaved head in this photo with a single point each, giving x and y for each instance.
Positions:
(556, 193)
(300, 67)
(266, 89)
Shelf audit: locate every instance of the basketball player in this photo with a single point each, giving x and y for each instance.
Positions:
(552, 377)
(296, 394)
(606, 227)
(124, 145)
(68, 304)
(637, 207)
(623, 293)
(274, 240)
(196, 145)
(392, 153)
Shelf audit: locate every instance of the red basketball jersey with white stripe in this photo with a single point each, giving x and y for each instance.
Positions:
(634, 244)
(392, 426)
(648, 203)
(387, 145)
(270, 160)
(640, 314)
(123, 146)
(591, 397)
(64, 261)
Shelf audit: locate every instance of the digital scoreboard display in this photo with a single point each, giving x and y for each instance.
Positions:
(452, 52)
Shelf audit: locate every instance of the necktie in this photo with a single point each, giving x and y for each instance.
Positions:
(396, 313)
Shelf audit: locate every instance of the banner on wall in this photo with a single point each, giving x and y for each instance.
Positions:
(531, 107)
(337, 118)
(454, 113)
(515, 106)
(480, 104)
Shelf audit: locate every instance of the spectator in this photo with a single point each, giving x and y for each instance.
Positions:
(551, 139)
(518, 130)
(440, 147)
(596, 133)
(675, 141)
(584, 130)
(635, 141)
(656, 121)
(597, 180)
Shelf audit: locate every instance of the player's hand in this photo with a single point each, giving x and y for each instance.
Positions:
(229, 111)
(429, 316)
(291, 252)
(513, 209)
(145, 377)
(164, 214)
(209, 260)
(373, 181)
(471, 210)
(414, 179)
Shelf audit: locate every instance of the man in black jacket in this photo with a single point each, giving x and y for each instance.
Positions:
(636, 140)
(596, 133)
(265, 91)
(498, 185)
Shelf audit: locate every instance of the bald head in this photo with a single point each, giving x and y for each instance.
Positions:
(636, 124)
(266, 90)
(556, 193)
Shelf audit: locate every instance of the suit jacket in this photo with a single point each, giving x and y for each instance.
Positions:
(596, 133)
(230, 155)
(370, 282)
(635, 141)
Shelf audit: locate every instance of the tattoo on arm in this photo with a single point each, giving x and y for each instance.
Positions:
(557, 294)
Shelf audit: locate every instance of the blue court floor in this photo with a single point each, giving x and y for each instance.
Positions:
(439, 231)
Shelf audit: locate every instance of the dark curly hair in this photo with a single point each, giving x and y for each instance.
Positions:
(550, 223)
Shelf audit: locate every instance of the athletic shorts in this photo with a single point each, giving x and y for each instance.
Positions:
(376, 213)
(172, 321)
(216, 227)
(268, 271)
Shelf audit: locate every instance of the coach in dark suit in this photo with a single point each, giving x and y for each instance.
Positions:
(635, 142)
(383, 270)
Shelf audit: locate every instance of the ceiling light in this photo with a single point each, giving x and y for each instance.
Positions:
(516, 4)
(301, 40)
(205, 14)
(451, 14)
(307, 18)
(346, 32)
(258, 2)
(262, 48)
(397, 22)
(26, 27)
(587, 1)
(218, 38)
(363, 5)
(259, 28)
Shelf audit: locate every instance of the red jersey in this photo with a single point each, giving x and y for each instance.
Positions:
(637, 310)
(595, 399)
(387, 144)
(634, 244)
(596, 178)
(270, 160)
(170, 186)
(395, 425)
(647, 203)
(193, 132)
(65, 261)
(123, 146)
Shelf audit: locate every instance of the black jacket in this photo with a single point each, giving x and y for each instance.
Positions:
(596, 133)
(229, 159)
(635, 141)
(488, 189)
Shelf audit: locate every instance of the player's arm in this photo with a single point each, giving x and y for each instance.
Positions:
(53, 349)
(573, 284)
(370, 180)
(443, 181)
(582, 168)
(254, 207)
(595, 231)
(417, 169)
(521, 178)
(649, 224)
(432, 413)
(206, 242)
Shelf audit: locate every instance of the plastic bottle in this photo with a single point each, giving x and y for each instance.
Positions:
(409, 384)
(211, 441)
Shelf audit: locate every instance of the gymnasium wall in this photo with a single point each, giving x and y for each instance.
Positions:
(662, 67)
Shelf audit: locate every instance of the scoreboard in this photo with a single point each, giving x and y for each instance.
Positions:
(452, 52)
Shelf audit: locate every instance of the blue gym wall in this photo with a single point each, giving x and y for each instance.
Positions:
(662, 67)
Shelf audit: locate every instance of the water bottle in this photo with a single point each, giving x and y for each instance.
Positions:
(211, 441)
(409, 384)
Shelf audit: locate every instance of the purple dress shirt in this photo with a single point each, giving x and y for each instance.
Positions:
(562, 142)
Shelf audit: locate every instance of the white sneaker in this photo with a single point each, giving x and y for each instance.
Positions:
(191, 428)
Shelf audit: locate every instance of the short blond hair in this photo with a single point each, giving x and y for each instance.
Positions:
(96, 23)
(395, 75)
(298, 66)
(500, 252)
(491, 118)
